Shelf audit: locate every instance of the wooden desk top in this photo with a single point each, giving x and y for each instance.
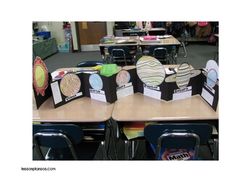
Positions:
(79, 110)
(117, 41)
(144, 30)
(138, 107)
(165, 41)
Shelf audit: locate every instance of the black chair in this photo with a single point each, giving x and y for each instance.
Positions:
(61, 142)
(89, 63)
(179, 141)
(122, 55)
(134, 33)
(160, 53)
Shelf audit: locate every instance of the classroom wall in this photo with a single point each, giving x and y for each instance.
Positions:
(56, 29)
(110, 26)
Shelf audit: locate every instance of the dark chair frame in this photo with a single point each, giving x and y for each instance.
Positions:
(198, 132)
(70, 136)
(122, 53)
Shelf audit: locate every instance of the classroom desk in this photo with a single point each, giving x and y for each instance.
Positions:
(138, 107)
(135, 41)
(170, 41)
(151, 31)
(129, 41)
(79, 110)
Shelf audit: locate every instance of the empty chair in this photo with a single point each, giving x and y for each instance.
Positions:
(179, 141)
(122, 55)
(159, 53)
(134, 33)
(89, 63)
(60, 142)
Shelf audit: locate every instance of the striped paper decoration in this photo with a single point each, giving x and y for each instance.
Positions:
(150, 71)
(183, 75)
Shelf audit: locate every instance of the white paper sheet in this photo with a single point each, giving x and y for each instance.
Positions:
(154, 93)
(98, 95)
(128, 89)
(56, 92)
(183, 93)
(207, 96)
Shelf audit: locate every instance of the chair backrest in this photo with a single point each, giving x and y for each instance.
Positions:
(173, 137)
(90, 63)
(160, 52)
(134, 33)
(57, 136)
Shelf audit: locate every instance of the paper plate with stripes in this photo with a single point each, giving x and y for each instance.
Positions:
(183, 75)
(150, 71)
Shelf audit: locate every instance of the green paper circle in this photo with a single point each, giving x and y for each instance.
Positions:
(39, 76)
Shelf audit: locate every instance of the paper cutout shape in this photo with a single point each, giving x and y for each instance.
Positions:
(70, 84)
(212, 64)
(40, 76)
(96, 82)
(172, 78)
(183, 75)
(122, 78)
(150, 71)
(212, 78)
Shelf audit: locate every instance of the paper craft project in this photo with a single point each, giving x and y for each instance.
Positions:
(172, 78)
(210, 89)
(122, 78)
(40, 76)
(96, 82)
(183, 75)
(150, 71)
(70, 85)
(212, 78)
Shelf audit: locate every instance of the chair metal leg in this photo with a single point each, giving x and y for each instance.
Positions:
(127, 148)
(215, 149)
(104, 152)
(132, 148)
(185, 51)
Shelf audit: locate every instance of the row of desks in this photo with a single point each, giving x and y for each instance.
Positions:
(135, 40)
(136, 107)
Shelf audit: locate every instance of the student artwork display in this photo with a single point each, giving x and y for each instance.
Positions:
(66, 89)
(41, 80)
(70, 85)
(125, 83)
(181, 83)
(152, 74)
(96, 84)
(150, 71)
(149, 77)
(40, 76)
(183, 76)
(108, 86)
(210, 89)
(122, 78)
